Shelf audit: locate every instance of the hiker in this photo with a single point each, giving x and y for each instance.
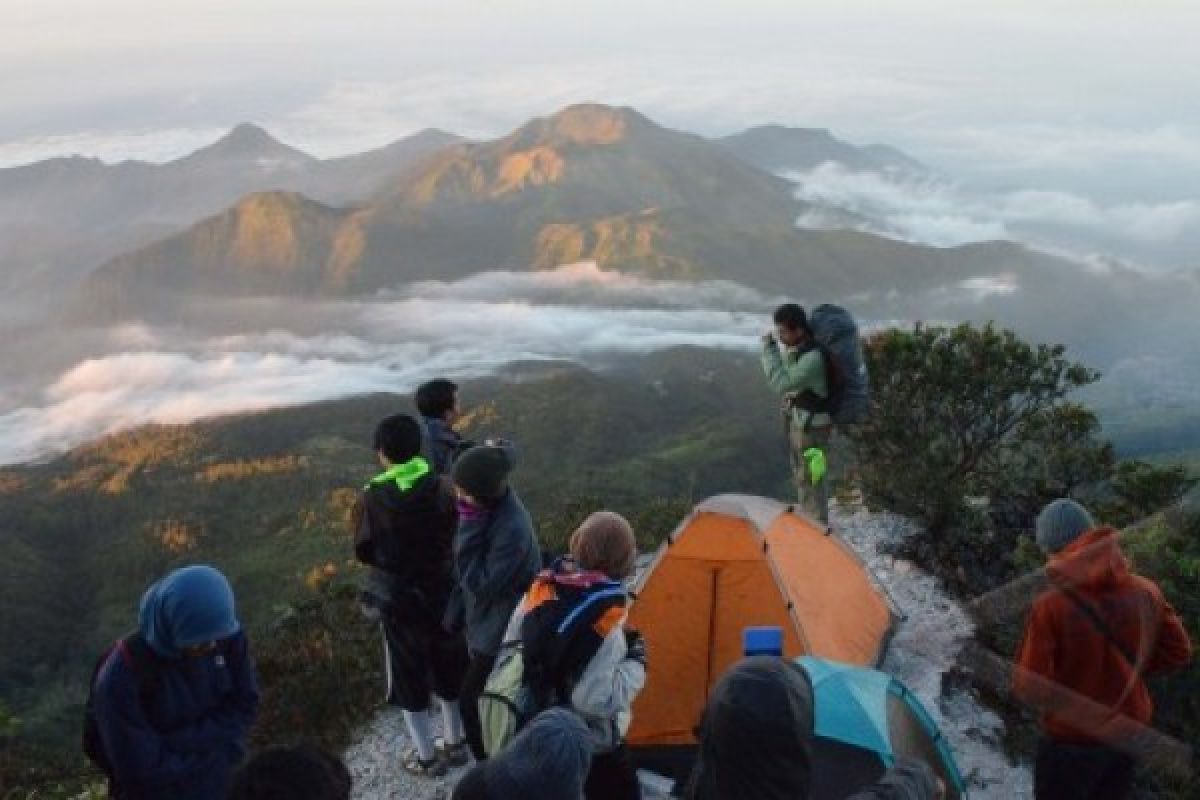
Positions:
(172, 703)
(756, 741)
(1098, 631)
(794, 366)
(437, 402)
(598, 666)
(404, 530)
(300, 772)
(496, 556)
(546, 761)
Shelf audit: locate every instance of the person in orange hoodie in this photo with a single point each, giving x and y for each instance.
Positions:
(1091, 639)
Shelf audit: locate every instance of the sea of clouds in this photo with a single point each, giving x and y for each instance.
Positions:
(930, 209)
(261, 354)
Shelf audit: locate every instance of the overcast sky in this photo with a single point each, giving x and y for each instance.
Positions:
(1095, 96)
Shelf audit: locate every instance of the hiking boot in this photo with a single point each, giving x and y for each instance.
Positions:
(411, 763)
(455, 755)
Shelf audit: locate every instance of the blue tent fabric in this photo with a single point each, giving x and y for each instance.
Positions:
(853, 704)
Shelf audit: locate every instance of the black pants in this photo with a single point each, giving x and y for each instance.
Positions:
(613, 776)
(422, 659)
(475, 679)
(1070, 771)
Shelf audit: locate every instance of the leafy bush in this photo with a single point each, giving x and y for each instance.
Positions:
(971, 431)
(1169, 553)
(320, 668)
(1139, 488)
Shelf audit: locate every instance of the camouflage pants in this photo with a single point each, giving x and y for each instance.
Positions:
(812, 498)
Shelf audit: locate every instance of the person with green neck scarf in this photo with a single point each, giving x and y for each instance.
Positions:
(404, 526)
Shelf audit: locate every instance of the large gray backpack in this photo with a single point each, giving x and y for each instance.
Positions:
(836, 335)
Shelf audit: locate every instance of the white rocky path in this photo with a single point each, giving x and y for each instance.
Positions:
(926, 647)
(923, 651)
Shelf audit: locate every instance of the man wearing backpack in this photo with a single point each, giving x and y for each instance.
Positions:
(404, 530)
(1096, 632)
(170, 706)
(795, 368)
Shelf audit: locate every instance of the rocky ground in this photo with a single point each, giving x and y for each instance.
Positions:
(924, 650)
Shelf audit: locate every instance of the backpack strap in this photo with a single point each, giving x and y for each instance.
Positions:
(593, 598)
(1135, 662)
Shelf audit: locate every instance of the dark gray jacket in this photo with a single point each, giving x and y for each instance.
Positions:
(441, 444)
(756, 741)
(548, 760)
(496, 554)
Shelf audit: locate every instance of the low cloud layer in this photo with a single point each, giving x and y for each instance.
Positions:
(944, 213)
(139, 374)
(64, 388)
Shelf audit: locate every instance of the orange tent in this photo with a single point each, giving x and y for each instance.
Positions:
(739, 561)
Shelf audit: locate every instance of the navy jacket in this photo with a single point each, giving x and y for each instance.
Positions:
(497, 556)
(441, 444)
(192, 733)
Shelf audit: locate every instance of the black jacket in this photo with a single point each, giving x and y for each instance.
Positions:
(407, 537)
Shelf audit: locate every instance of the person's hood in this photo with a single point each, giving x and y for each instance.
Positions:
(1093, 561)
(190, 606)
(756, 735)
(394, 497)
(548, 760)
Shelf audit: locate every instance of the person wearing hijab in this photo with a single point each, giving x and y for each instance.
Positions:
(174, 702)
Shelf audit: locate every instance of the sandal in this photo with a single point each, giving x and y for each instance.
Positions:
(455, 755)
(411, 763)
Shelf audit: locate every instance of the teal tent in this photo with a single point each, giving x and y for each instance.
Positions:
(865, 720)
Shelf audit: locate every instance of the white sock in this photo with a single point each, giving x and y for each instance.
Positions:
(419, 731)
(452, 724)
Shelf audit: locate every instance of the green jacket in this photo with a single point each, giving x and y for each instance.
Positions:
(795, 371)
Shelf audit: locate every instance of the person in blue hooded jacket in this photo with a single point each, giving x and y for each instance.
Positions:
(496, 556)
(173, 724)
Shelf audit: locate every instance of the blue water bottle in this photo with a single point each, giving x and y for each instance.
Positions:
(763, 641)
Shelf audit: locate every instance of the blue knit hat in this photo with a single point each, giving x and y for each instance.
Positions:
(1061, 523)
(189, 607)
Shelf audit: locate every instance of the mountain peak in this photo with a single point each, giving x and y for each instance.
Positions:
(594, 123)
(250, 142)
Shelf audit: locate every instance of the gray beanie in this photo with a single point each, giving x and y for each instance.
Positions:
(482, 471)
(1061, 523)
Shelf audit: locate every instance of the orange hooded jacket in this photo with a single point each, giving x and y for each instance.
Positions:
(1064, 646)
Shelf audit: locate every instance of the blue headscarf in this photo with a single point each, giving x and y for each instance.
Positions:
(190, 606)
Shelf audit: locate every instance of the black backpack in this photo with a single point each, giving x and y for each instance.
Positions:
(835, 335)
(145, 665)
(559, 637)
(560, 634)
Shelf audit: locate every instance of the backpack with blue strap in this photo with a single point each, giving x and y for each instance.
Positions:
(568, 614)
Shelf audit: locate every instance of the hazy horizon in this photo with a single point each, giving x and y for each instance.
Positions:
(1081, 96)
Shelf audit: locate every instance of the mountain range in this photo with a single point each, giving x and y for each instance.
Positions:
(588, 183)
(62, 217)
(778, 148)
(604, 176)
(605, 184)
